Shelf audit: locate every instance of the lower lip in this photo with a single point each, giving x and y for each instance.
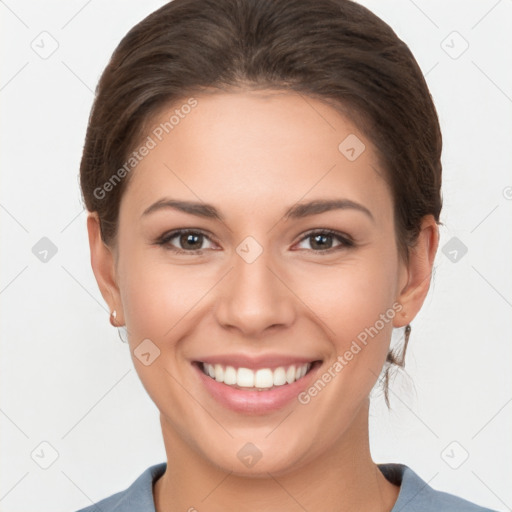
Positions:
(255, 402)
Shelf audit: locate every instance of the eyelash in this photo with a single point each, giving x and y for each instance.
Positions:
(346, 242)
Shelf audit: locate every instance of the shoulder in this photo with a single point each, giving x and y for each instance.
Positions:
(136, 498)
(417, 495)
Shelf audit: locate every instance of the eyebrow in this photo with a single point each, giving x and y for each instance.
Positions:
(298, 211)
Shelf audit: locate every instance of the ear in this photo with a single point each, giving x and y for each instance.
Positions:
(418, 272)
(104, 267)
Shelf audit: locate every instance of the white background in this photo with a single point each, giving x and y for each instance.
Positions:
(67, 380)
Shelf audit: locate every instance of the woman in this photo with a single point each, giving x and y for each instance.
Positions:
(263, 186)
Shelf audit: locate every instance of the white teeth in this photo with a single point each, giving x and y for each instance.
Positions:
(279, 376)
(216, 372)
(264, 378)
(245, 378)
(229, 376)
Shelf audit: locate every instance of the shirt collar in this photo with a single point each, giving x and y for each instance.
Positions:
(139, 496)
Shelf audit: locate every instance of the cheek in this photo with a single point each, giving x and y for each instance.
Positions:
(158, 300)
(157, 297)
(355, 303)
(350, 297)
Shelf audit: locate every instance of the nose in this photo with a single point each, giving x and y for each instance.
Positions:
(254, 297)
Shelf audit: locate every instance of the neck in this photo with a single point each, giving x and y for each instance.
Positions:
(344, 479)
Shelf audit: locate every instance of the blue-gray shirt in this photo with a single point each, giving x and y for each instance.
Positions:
(415, 494)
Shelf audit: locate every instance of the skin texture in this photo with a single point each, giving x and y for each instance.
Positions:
(253, 155)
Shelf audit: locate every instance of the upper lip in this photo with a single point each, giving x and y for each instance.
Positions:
(256, 362)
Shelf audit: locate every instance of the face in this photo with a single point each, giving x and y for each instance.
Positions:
(286, 263)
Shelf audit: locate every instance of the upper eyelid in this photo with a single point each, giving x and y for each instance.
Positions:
(329, 231)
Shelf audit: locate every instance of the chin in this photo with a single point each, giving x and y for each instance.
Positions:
(258, 458)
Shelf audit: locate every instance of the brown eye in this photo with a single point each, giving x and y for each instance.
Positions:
(184, 241)
(321, 241)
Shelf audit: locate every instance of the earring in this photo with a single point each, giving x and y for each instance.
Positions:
(113, 316)
(407, 333)
(121, 329)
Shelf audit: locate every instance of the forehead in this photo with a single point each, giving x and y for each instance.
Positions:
(256, 148)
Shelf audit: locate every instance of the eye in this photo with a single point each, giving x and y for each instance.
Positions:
(321, 240)
(190, 241)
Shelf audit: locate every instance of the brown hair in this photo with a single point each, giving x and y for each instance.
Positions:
(334, 50)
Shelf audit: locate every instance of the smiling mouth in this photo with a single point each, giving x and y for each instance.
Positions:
(262, 379)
